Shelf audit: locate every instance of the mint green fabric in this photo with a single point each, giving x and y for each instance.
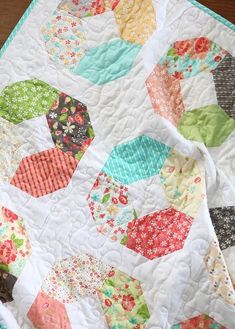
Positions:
(137, 159)
(107, 62)
(26, 99)
(209, 125)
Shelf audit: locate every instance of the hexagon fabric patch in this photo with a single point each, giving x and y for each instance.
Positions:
(187, 58)
(123, 301)
(201, 321)
(165, 94)
(48, 313)
(218, 273)
(64, 38)
(158, 234)
(107, 62)
(183, 183)
(85, 8)
(70, 126)
(44, 172)
(14, 251)
(81, 276)
(26, 100)
(121, 295)
(136, 20)
(109, 204)
(10, 154)
(209, 125)
(223, 222)
(224, 78)
(14, 243)
(7, 282)
(137, 159)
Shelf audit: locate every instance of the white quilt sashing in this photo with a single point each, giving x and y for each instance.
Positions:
(117, 167)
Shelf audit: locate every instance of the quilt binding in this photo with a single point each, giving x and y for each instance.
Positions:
(34, 2)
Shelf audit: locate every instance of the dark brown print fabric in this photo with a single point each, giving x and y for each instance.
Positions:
(70, 126)
(224, 78)
(7, 282)
(223, 220)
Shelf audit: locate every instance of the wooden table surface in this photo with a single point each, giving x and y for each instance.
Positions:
(12, 10)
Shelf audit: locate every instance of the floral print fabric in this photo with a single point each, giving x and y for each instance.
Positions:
(218, 273)
(14, 243)
(187, 58)
(84, 8)
(75, 277)
(165, 94)
(26, 99)
(183, 183)
(121, 296)
(70, 126)
(223, 221)
(199, 322)
(109, 203)
(159, 233)
(123, 301)
(64, 37)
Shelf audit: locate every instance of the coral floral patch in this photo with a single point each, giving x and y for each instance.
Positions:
(48, 313)
(159, 233)
(44, 172)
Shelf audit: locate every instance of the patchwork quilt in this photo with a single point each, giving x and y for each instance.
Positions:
(117, 167)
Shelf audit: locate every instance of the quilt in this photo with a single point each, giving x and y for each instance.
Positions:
(117, 167)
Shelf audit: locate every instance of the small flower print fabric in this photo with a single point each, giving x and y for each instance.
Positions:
(123, 302)
(183, 183)
(165, 94)
(64, 38)
(109, 203)
(158, 234)
(73, 278)
(199, 322)
(70, 126)
(218, 273)
(81, 275)
(14, 243)
(26, 100)
(223, 219)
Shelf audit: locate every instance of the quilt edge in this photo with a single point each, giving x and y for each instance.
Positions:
(34, 2)
(212, 13)
(17, 27)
